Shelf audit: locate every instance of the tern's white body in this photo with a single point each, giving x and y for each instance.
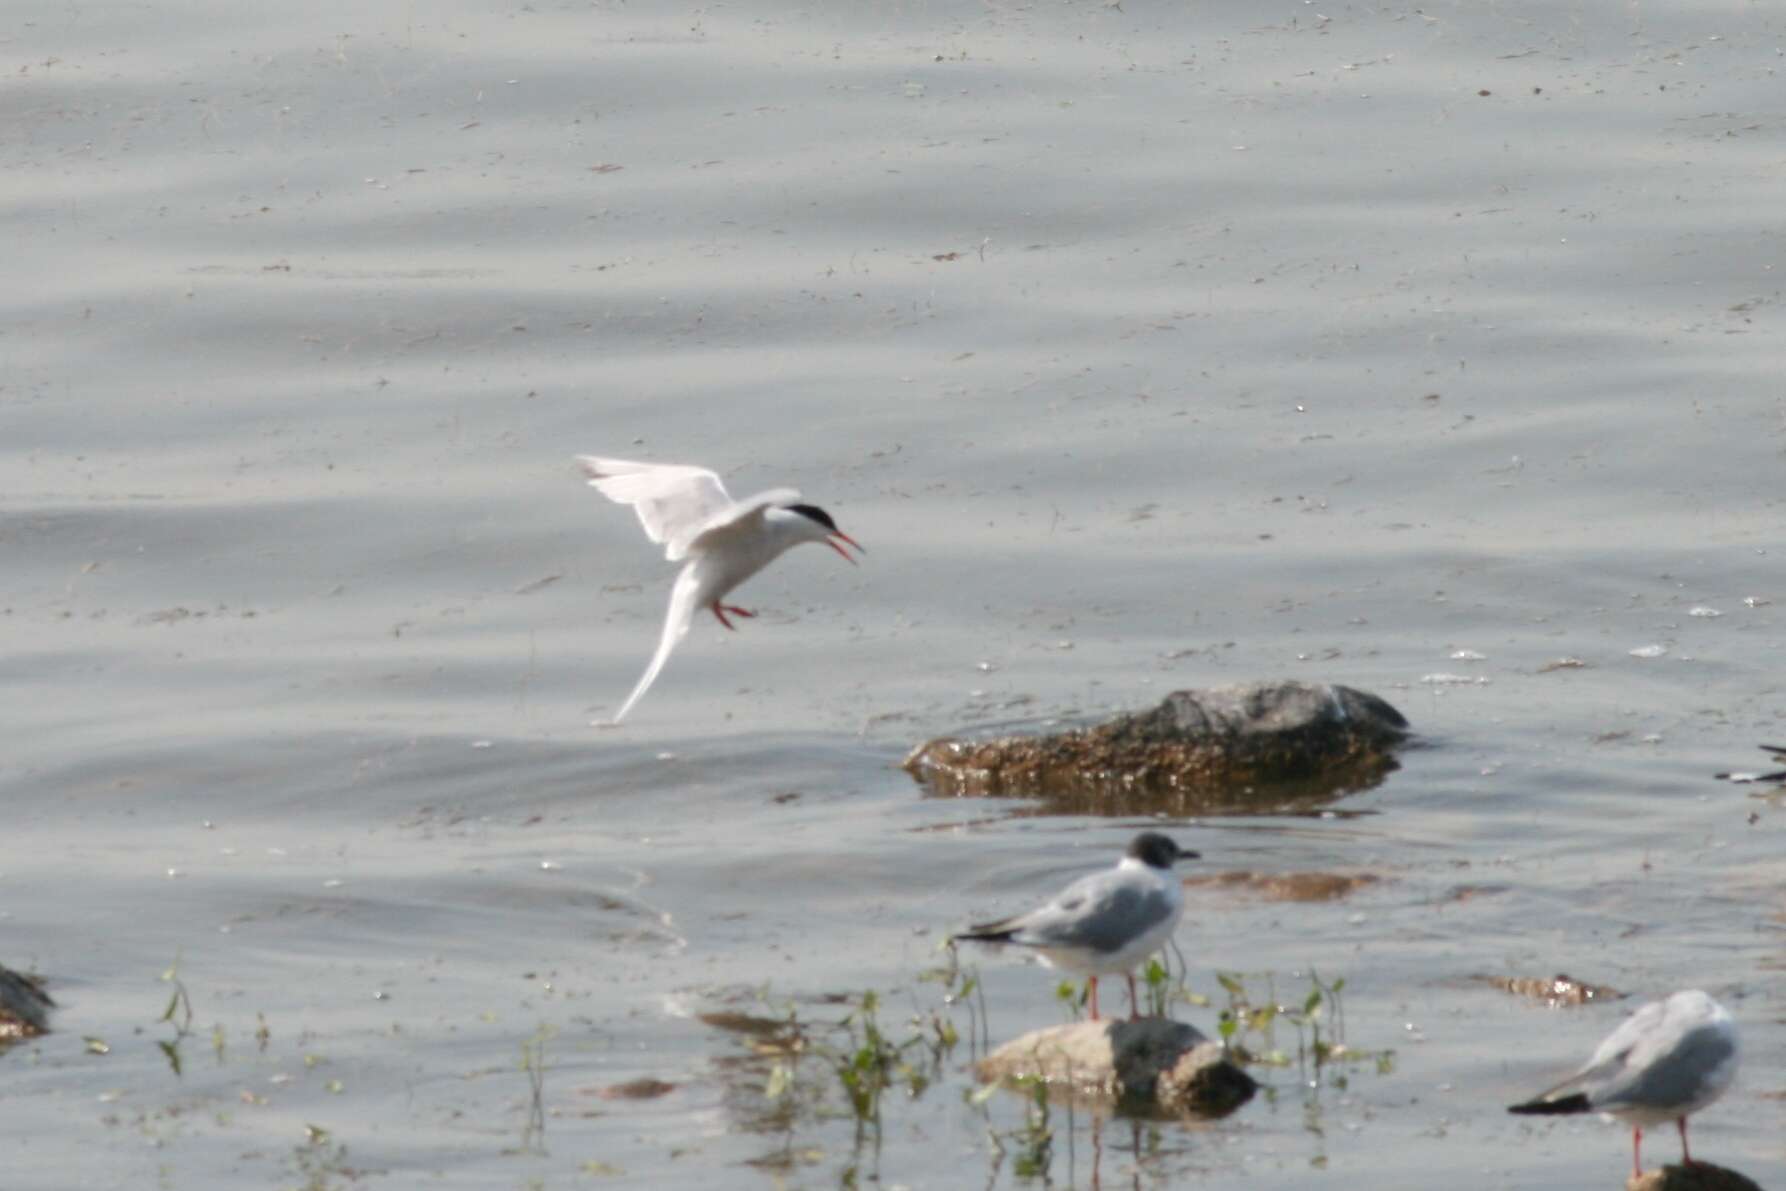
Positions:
(721, 542)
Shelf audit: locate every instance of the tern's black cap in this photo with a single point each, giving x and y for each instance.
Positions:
(816, 514)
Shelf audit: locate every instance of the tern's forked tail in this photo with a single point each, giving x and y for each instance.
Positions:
(676, 621)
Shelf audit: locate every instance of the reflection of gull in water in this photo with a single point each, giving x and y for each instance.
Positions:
(1777, 752)
(1107, 922)
(1667, 1061)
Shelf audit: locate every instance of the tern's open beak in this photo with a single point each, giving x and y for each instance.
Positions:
(831, 540)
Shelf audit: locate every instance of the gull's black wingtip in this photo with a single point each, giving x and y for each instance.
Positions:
(1550, 1108)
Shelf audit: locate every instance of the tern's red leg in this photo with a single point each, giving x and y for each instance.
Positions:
(1092, 983)
(1134, 1014)
(1686, 1158)
(719, 611)
(735, 610)
(1636, 1150)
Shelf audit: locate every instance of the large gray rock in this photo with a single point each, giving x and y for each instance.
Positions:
(1701, 1176)
(24, 1006)
(1155, 1064)
(1234, 748)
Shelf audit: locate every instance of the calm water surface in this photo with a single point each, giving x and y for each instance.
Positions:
(1144, 346)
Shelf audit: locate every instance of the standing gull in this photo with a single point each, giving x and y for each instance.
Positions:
(1666, 1061)
(725, 541)
(1107, 922)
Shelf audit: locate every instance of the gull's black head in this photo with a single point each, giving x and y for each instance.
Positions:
(1156, 850)
(814, 513)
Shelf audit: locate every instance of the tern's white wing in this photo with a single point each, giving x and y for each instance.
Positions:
(674, 501)
(683, 597)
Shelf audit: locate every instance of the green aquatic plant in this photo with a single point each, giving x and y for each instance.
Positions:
(862, 1061)
(1248, 1027)
(177, 1014)
(961, 988)
(533, 1065)
(1160, 990)
(319, 1163)
(1029, 1146)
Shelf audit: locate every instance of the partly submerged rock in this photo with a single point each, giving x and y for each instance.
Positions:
(1700, 1176)
(1285, 887)
(1555, 991)
(1234, 748)
(1152, 1065)
(24, 1006)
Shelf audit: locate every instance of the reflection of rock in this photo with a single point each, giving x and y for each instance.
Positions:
(1286, 887)
(1701, 1176)
(1152, 1064)
(24, 1006)
(1235, 748)
(1556, 991)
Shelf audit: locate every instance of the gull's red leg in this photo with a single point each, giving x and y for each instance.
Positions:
(1092, 983)
(735, 610)
(1134, 1012)
(1686, 1158)
(1636, 1150)
(719, 611)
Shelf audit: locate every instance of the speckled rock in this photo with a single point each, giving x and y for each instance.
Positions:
(1555, 991)
(24, 1006)
(1701, 1176)
(1235, 748)
(1153, 1065)
(1284, 887)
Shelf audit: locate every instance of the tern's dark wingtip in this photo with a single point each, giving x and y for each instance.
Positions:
(1561, 1106)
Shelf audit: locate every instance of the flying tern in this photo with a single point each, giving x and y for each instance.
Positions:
(724, 541)
(1667, 1061)
(1105, 923)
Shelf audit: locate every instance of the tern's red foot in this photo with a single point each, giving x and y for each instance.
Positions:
(719, 613)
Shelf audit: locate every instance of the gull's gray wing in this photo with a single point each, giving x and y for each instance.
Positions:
(1103, 912)
(1675, 1071)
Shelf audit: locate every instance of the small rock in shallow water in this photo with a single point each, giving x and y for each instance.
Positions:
(24, 1006)
(1701, 1176)
(1555, 991)
(1155, 1064)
